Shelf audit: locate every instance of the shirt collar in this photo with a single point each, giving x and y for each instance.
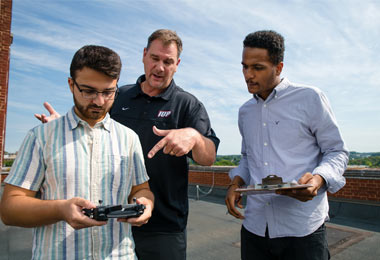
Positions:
(280, 88)
(166, 95)
(277, 91)
(75, 120)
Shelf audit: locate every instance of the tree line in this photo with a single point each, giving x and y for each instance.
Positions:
(371, 160)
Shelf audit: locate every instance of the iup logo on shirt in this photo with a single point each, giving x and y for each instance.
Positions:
(164, 113)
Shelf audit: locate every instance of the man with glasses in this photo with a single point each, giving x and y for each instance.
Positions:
(72, 163)
(172, 125)
(91, 93)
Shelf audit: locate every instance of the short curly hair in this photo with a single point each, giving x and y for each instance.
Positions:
(272, 41)
(98, 58)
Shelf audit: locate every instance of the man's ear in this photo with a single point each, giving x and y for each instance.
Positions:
(279, 67)
(144, 53)
(71, 84)
(176, 65)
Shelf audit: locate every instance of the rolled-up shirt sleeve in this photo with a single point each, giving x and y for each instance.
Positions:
(334, 152)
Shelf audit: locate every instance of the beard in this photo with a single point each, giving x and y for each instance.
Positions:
(87, 113)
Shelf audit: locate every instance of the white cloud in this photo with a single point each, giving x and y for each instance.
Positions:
(32, 59)
(329, 44)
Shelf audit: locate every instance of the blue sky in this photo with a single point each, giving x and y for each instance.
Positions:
(333, 45)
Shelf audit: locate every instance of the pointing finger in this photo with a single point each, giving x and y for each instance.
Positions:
(161, 144)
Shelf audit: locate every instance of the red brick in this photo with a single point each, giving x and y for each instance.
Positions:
(5, 39)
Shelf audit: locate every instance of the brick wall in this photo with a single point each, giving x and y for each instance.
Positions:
(360, 189)
(204, 175)
(361, 185)
(5, 42)
(2, 177)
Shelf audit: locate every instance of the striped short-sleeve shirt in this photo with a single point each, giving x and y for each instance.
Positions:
(67, 158)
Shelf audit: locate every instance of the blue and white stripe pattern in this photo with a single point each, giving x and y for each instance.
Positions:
(66, 158)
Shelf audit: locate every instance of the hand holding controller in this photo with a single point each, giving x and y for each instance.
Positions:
(103, 213)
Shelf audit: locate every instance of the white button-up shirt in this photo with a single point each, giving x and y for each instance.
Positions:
(290, 133)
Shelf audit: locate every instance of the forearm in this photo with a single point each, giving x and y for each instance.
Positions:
(146, 193)
(142, 191)
(19, 207)
(30, 212)
(204, 151)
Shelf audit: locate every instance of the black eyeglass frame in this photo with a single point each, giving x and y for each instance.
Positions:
(93, 91)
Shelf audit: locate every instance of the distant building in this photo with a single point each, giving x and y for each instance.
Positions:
(353, 167)
(10, 156)
(5, 43)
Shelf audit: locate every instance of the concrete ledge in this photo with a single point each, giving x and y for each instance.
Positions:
(366, 173)
(221, 169)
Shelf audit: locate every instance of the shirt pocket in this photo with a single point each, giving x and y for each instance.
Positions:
(285, 134)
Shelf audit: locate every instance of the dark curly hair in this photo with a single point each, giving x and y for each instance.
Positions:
(272, 41)
(99, 58)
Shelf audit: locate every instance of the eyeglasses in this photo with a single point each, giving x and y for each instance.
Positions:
(92, 94)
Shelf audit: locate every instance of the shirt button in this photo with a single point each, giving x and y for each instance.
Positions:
(264, 124)
(265, 144)
(265, 105)
(265, 163)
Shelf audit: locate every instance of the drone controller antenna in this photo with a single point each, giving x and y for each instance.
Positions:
(100, 202)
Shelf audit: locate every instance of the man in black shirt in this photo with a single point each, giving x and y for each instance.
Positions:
(172, 125)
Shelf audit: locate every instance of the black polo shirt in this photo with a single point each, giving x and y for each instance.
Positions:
(172, 109)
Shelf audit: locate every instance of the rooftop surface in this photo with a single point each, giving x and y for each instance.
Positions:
(214, 235)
